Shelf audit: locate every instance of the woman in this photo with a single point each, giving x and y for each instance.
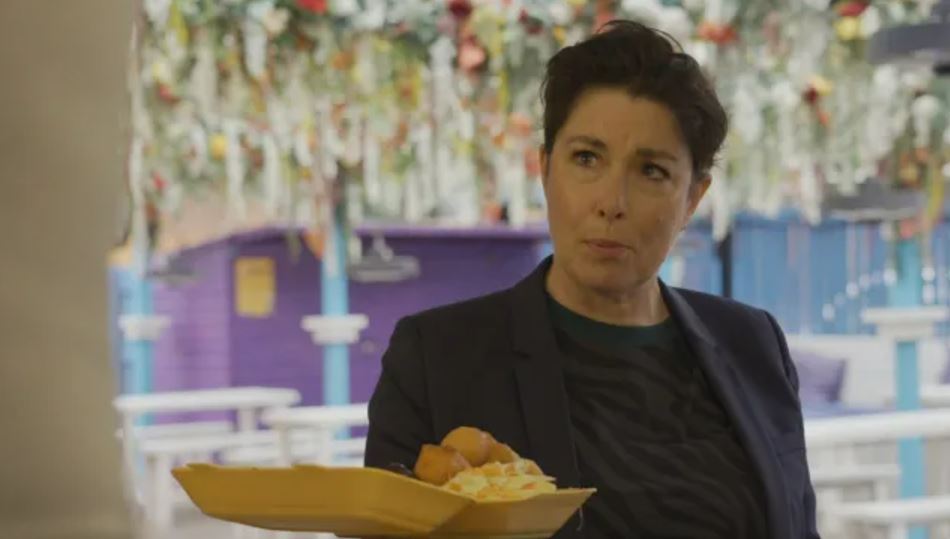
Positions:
(679, 407)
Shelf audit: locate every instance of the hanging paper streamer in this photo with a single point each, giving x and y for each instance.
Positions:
(273, 181)
(415, 96)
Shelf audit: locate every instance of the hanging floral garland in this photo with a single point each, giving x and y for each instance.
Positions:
(270, 112)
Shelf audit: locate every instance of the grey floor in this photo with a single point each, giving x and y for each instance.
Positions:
(191, 524)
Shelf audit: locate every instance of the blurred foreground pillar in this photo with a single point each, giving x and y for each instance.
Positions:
(63, 118)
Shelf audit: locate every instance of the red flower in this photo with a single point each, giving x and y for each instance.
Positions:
(460, 9)
(532, 25)
(158, 182)
(720, 34)
(811, 95)
(167, 94)
(315, 6)
(851, 9)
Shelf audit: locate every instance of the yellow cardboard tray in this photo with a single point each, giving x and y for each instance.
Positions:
(537, 517)
(366, 502)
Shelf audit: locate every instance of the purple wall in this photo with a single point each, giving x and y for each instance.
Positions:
(452, 269)
(209, 345)
(275, 351)
(195, 351)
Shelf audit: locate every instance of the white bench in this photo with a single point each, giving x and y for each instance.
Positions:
(175, 430)
(876, 476)
(897, 516)
(305, 446)
(162, 454)
(325, 421)
(253, 447)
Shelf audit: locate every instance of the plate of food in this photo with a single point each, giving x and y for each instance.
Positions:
(468, 486)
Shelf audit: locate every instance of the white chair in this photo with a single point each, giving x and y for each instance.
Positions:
(305, 447)
(161, 455)
(896, 517)
(877, 477)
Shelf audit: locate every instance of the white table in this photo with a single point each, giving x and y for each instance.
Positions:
(325, 420)
(935, 396)
(247, 401)
(872, 428)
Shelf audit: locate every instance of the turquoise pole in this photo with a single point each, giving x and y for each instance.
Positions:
(906, 292)
(335, 302)
(138, 354)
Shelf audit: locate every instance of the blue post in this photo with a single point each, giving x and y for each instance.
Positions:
(335, 302)
(906, 292)
(138, 354)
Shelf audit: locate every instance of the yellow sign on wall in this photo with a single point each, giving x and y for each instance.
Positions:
(255, 286)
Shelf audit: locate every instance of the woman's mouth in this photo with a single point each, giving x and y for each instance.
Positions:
(606, 248)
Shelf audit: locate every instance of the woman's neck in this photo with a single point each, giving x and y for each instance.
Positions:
(642, 305)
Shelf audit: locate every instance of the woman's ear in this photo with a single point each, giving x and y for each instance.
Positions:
(543, 159)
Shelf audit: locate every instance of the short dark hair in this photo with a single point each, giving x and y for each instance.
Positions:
(649, 63)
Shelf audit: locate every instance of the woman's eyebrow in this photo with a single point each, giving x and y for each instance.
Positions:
(654, 153)
(646, 153)
(589, 140)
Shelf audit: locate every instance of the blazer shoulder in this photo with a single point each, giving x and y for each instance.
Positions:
(479, 313)
(712, 309)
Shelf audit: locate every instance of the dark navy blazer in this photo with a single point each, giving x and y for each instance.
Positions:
(492, 363)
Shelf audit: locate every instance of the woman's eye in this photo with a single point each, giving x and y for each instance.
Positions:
(655, 172)
(585, 158)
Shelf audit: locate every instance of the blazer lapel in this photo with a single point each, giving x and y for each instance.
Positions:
(728, 387)
(541, 381)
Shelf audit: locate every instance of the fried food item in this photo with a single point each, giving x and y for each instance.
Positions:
(472, 463)
(437, 465)
(502, 453)
(474, 444)
(496, 481)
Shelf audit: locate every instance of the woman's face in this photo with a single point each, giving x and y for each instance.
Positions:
(620, 188)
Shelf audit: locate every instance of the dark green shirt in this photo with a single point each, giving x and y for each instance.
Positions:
(652, 437)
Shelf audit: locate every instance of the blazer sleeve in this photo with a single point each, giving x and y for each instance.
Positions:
(399, 416)
(811, 528)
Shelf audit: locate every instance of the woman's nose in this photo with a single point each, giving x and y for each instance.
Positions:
(612, 203)
(612, 213)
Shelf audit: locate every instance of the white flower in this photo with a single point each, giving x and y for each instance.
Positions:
(259, 9)
(276, 20)
(372, 18)
(917, 79)
(694, 5)
(926, 107)
(784, 95)
(896, 11)
(676, 22)
(561, 13)
(885, 81)
(157, 11)
(870, 21)
(704, 53)
(818, 5)
(344, 8)
(645, 11)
